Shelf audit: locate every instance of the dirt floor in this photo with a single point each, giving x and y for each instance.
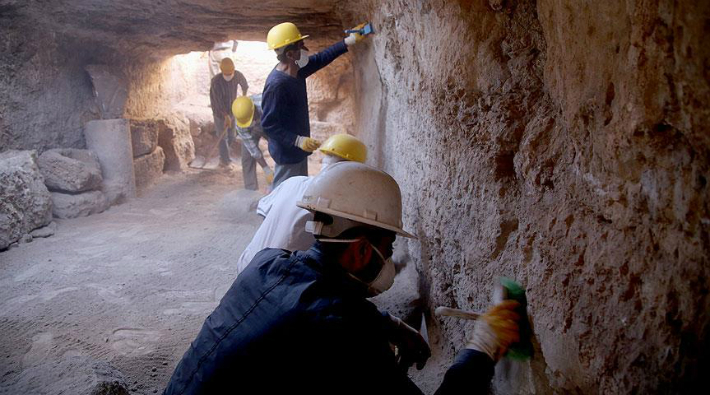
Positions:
(130, 286)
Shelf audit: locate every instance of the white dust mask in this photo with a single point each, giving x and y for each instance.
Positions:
(303, 60)
(229, 77)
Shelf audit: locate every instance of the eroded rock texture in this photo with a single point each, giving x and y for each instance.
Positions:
(564, 144)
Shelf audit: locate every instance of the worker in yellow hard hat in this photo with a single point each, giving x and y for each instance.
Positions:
(285, 100)
(223, 91)
(247, 113)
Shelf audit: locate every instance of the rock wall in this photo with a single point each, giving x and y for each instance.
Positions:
(563, 144)
(45, 94)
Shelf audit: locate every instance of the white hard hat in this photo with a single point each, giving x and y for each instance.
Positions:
(358, 193)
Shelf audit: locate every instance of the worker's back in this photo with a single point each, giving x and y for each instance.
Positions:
(284, 223)
(291, 323)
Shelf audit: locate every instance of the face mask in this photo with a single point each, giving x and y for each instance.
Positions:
(384, 279)
(303, 60)
(228, 77)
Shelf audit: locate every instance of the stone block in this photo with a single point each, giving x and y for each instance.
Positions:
(25, 202)
(70, 170)
(144, 137)
(149, 168)
(46, 231)
(65, 205)
(111, 141)
(176, 140)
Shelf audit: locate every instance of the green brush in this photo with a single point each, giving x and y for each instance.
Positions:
(506, 289)
(523, 349)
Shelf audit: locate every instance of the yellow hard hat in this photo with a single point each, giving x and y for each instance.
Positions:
(243, 110)
(226, 66)
(282, 35)
(345, 146)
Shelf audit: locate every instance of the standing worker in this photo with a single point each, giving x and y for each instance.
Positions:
(248, 116)
(223, 91)
(284, 223)
(219, 51)
(301, 322)
(285, 98)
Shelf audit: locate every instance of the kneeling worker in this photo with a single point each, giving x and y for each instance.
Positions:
(248, 119)
(301, 323)
(284, 223)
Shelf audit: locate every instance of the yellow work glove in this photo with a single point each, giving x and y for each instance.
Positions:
(307, 144)
(496, 330)
(355, 38)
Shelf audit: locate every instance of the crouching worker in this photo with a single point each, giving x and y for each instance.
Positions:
(248, 116)
(301, 323)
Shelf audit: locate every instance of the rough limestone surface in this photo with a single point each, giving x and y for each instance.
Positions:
(564, 145)
(144, 136)
(25, 202)
(70, 170)
(110, 90)
(72, 374)
(45, 231)
(175, 139)
(149, 168)
(111, 141)
(66, 205)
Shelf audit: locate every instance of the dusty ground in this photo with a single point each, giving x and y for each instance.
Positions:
(131, 285)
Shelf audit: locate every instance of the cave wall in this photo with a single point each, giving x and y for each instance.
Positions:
(45, 94)
(563, 144)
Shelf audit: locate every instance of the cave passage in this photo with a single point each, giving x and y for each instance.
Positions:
(560, 143)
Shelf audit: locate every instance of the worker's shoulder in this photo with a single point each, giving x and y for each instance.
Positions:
(270, 254)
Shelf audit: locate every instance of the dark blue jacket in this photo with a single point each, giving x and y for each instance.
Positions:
(285, 105)
(296, 323)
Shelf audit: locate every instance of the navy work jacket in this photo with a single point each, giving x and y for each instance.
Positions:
(285, 105)
(296, 323)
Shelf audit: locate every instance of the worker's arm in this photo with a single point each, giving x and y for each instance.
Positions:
(471, 371)
(249, 143)
(276, 108)
(322, 59)
(242, 82)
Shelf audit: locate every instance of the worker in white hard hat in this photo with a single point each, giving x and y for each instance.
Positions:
(300, 322)
(285, 100)
(284, 222)
(247, 114)
(223, 90)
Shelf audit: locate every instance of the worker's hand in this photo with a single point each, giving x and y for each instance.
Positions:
(355, 38)
(307, 144)
(227, 122)
(269, 175)
(496, 330)
(411, 346)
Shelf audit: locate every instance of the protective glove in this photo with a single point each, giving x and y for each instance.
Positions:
(268, 174)
(411, 346)
(307, 144)
(227, 122)
(496, 330)
(354, 38)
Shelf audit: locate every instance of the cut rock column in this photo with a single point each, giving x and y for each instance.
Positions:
(111, 141)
